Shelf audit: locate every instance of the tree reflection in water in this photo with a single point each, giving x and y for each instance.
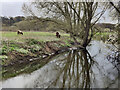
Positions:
(74, 71)
(71, 69)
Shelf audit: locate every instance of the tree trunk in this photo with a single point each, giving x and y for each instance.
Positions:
(85, 40)
(88, 23)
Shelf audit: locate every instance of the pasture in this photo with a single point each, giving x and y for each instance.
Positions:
(28, 44)
(40, 36)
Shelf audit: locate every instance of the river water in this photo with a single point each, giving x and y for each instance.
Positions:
(74, 69)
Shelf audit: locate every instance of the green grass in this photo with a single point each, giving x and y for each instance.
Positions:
(41, 36)
(21, 50)
(3, 56)
(30, 42)
(104, 33)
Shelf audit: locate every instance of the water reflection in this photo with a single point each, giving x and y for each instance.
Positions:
(76, 69)
(73, 69)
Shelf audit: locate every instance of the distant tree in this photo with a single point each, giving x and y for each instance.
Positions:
(11, 21)
(19, 18)
(5, 20)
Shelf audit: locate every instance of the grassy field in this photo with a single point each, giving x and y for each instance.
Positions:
(41, 36)
(27, 43)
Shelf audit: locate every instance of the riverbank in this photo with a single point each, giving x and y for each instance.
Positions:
(17, 52)
(26, 53)
(82, 64)
(18, 57)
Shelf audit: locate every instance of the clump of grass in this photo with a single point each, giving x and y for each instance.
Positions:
(31, 41)
(35, 48)
(21, 50)
(8, 46)
(67, 43)
(34, 45)
(103, 33)
(3, 50)
(3, 57)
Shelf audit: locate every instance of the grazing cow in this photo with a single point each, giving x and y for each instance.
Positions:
(19, 32)
(58, 35)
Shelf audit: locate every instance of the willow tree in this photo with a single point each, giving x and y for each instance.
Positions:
(76, 18)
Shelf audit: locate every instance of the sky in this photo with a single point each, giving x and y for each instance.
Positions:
(12, 8)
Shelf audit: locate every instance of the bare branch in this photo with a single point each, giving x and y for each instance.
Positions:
(118, 10)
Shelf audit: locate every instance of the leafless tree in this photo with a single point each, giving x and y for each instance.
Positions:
(76, 18)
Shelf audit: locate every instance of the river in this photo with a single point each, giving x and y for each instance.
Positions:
(73, 69)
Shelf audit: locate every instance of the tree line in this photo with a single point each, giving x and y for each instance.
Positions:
(8, 21)
(29, 23)
(39, 24)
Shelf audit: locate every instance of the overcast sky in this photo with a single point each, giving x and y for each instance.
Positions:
(14, 8)
(11, 7)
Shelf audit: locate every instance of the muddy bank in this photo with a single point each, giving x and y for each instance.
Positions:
(26, 65)
(29, 49)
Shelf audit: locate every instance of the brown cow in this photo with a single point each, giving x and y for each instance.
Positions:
(58, 35)
(19, 32)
